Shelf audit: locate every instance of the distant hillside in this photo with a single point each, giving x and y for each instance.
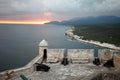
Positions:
(101, 28)
(107, 34)
(90, 20)
(53, 22)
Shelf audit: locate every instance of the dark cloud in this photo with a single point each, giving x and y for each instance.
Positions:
(56, 9)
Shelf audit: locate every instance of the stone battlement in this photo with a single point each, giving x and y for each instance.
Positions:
(56, 55)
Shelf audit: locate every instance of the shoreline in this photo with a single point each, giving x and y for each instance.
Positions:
(70, 33)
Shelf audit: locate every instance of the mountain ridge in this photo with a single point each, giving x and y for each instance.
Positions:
(89, 20)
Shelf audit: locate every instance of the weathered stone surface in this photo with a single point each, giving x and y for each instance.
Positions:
(55, 55)
(105, 54)
(107, 76)
(81, 55)
(117, 62)
(69, 72)
(26, 70)
(60, 72)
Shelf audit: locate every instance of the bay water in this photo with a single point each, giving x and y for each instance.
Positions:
(19, 43)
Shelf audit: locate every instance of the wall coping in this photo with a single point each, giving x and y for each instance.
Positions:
(29, 65)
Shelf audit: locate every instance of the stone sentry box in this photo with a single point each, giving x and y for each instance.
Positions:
(51, 55)
(81, 55)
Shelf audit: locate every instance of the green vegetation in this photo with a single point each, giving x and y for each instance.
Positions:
(102, 33)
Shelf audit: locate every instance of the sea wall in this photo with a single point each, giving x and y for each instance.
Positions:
(15, 73)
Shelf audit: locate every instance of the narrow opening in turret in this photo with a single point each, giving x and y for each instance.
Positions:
(45, 54)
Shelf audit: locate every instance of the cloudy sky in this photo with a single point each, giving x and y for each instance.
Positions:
(38, 10)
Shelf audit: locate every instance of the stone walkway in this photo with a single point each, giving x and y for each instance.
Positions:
(69, 72)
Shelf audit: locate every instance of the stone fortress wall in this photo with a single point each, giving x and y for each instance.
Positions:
(105, 54)
(108, 54)
(15, 73)
(117, 61)
(81, 55)
(56, 55)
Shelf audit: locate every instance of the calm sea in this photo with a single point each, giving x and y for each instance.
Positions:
(19, 43)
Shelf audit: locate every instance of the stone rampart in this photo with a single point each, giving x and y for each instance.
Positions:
(105, 54)
(31, 67)
(117, 62)
(55, 55)
(81, 55)
(15, 73)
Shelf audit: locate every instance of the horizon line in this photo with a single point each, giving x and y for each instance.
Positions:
(24, 22)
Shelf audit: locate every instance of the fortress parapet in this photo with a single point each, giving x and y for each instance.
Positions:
(56, 55)
(81, 55)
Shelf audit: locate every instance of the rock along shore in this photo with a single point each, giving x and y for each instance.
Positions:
(69, 33)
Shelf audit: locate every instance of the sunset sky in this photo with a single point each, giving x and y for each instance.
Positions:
(51, 10)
